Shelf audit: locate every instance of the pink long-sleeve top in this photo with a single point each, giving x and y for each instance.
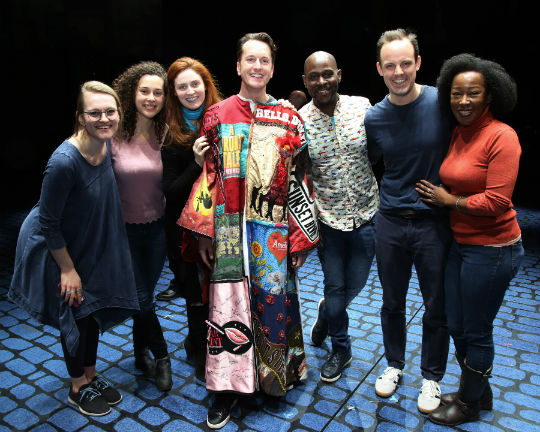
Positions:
(139, 173)
(482, 164)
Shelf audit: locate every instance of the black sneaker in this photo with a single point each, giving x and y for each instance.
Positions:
(89, 400)
(319, 331)
(220, 412)
(111, 395)
(333, 367)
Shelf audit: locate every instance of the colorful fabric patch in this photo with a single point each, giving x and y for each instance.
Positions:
(228, 244)
(267, 176)
(230, 363)
(279, 343)
(220, 209)
(233, 337)
(234, 148)
(198, 213)
(268, 247)
(302, 218)
(277, 313)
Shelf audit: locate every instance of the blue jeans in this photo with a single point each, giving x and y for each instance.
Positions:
(346, 257)
(477, 278)
(400, 243)
(148, 247)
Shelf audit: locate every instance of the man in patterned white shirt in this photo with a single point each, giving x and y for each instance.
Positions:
(347, 198)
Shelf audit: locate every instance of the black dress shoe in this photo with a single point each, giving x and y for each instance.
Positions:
(220, 412)
(167, 295)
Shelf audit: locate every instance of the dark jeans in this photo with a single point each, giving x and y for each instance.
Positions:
(400, 244)
(86, 354)
(477, 278)
(148, 247)
(346, 258)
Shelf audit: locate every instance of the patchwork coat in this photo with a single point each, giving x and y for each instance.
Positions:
(251, 201)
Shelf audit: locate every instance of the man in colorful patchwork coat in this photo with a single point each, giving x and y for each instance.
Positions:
(255, 221)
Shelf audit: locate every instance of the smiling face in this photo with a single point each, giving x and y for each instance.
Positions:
(149, 96)
(398, 68)
(322, 78)
(468, 97)
(104, 128)
(190, 90)
(255, 68)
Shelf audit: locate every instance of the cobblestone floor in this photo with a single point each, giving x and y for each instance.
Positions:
(34, 381)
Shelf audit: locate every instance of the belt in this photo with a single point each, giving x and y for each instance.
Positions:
(413, 214)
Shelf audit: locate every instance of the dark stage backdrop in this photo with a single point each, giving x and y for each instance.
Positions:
(50, 47)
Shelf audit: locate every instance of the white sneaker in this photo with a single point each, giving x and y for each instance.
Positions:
(429, 397)
(387, 383)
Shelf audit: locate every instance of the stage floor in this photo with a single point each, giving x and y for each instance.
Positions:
(34, 380)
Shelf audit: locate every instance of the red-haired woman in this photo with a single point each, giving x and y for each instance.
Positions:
(191, 91)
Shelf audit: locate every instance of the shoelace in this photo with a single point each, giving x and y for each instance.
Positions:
(430, 388)
(392, 372)
(102, 383)
(92, 393)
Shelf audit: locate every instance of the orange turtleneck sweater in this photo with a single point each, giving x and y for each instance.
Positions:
(482, 164)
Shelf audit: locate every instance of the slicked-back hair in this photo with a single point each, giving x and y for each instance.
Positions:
(261, 36)
(398, 34)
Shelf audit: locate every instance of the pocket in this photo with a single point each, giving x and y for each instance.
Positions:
(517, 256)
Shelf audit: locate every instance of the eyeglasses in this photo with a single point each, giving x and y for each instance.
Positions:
(96, 114)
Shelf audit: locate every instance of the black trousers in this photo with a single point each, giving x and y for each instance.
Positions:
(86, 354)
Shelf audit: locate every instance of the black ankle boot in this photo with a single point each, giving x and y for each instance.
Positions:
(486, 401)
(158, 346)
(163, 374)
(145, 363)
(466, 406)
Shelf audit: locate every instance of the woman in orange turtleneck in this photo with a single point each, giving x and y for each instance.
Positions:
(478, 175)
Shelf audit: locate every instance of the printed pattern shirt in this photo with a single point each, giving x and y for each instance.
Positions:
(346, 191)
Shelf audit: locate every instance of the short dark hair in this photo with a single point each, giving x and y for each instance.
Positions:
(261, 36)
(499, 84)
(398, 34)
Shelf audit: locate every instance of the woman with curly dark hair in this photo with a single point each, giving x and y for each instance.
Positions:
(191, 91)
(479, 174)
(136, 154)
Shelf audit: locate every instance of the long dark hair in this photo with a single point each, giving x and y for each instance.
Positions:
(126, 86)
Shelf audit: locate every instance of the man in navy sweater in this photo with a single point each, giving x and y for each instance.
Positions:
(408, 131)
